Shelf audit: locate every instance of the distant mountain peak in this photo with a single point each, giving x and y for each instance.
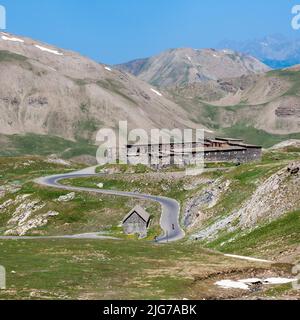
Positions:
(186, 65)
(276, 50)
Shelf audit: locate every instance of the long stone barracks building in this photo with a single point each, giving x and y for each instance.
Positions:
(184, 154)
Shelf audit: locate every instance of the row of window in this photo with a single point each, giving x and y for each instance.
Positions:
(228, 153)
(138, 152)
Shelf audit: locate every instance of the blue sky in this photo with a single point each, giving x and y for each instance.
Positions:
(114, 31)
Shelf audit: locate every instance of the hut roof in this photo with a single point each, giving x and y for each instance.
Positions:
(140, 212)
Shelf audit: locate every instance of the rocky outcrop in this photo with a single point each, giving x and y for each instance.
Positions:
(274, 197)
(67, 198)
(285, 110)
(27, 214)
(6, 204)
(37, 101)
(277, 195)
(28, 224)
(53, 159)
(9, 188)
(24, 211)
(206, 199)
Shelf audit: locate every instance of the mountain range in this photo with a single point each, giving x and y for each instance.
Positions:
(185, 65)
(48, 91)
(227, 91)
(276, 51)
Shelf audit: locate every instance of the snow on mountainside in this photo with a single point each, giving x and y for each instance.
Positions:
(47, 90)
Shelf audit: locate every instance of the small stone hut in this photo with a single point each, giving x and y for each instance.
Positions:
(137, 222)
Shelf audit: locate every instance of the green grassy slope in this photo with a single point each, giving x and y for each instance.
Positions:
(256, 136)
(33, 144)
(270, 239)
(86, 213)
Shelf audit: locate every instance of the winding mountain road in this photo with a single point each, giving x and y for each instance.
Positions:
(169, 218)
(169, 221)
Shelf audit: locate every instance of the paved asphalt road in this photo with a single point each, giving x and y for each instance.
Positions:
(170, 208)
(169, 217)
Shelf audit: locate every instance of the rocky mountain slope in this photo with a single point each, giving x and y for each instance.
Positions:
(52, 92)
(251, 210)
(231, 93)
(268, 102)
(185, 66)
(49, 91)
(274, 197)
(292, 144)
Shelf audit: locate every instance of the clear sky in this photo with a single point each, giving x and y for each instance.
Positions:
(114, 31)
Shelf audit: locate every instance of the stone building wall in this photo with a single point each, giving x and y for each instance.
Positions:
(135, 225)
(246, 155)
(159, 155)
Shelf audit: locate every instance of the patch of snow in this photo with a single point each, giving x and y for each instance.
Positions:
(251, 280)
(246, 258)
(107, 68)
(278, 280)
(48, 50)
(52, 69)
(155, 91)
(216, 56)
(245, 284)
(189, 58)
(230, 284)
(227, 51)
(12, 39)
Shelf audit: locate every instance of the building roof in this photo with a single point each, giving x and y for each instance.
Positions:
(229, 139)
(140, 212)
(165, 144)
(217, 141)
(205, 141)
(246, 145)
